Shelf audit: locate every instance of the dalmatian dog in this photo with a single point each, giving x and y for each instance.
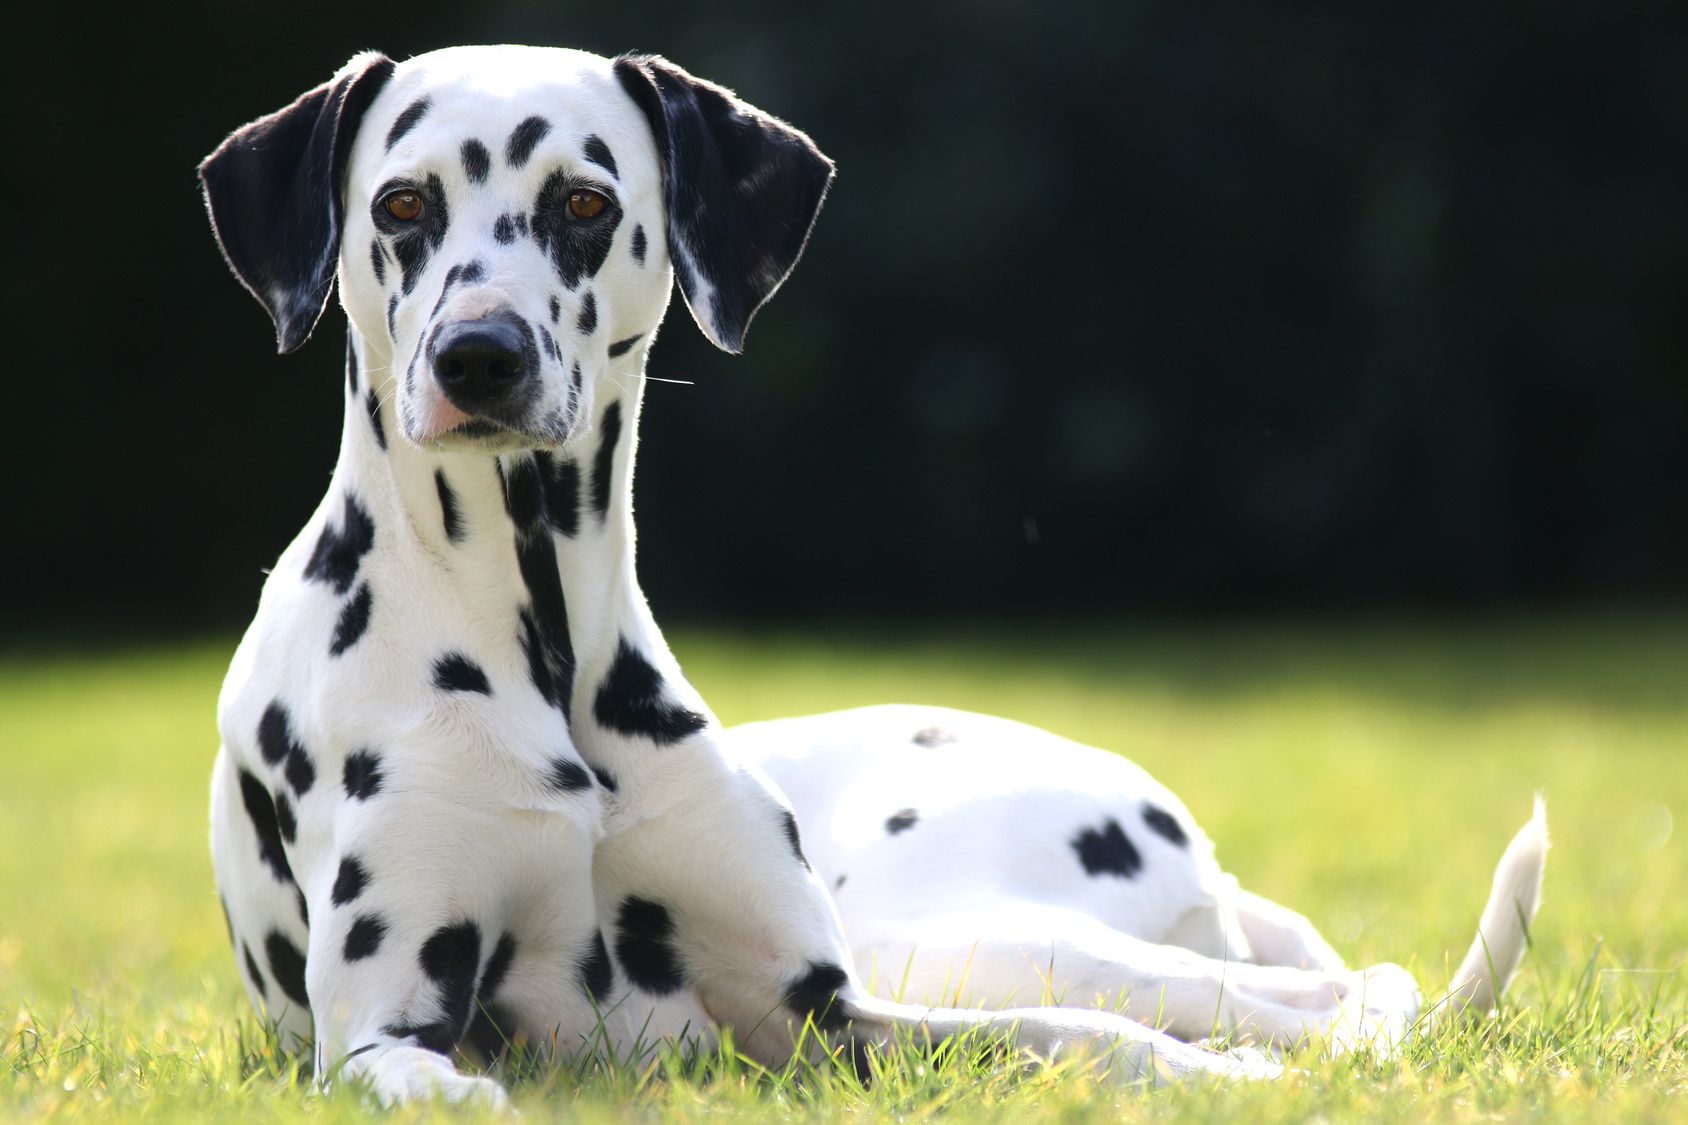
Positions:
(465, 797)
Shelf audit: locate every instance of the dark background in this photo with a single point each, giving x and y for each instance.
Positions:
(1143, 307)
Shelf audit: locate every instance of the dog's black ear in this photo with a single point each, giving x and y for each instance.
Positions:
(742, 190)
(273, 190)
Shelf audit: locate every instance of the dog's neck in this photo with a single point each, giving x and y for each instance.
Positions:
(543, 540)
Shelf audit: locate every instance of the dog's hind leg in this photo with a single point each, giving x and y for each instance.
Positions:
(1030, 953)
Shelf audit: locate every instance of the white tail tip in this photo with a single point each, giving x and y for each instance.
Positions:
(1503, 935)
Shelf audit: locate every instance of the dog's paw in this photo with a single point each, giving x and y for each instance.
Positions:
(413, 1074)
(1377, 1011)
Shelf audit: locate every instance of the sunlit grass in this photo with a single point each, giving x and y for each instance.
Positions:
(1368, 775)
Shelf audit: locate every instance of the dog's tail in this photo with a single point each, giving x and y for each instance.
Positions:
(1503, 935)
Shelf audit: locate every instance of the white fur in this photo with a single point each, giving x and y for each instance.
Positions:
(465, 827)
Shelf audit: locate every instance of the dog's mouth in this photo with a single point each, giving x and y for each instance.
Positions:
(483, 435)
(479, 434)
(480, 428)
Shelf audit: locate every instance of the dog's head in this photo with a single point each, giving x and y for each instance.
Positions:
(506, 221)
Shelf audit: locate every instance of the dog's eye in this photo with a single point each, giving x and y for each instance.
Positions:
(405, 206)
(584, 205)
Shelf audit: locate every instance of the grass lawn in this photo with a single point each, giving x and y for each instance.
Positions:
(1368, 775)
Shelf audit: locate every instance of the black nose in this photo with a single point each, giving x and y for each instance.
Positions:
(481, 362)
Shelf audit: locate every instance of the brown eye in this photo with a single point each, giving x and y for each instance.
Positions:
(405, 206)
(585, 205)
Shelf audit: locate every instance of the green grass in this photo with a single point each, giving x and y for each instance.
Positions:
(1367, 774)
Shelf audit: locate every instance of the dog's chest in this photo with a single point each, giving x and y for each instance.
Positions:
(366, 647)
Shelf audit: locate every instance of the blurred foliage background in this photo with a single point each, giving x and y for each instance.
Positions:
(1143, 306)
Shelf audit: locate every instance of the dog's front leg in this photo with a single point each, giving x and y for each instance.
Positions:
(424, 914)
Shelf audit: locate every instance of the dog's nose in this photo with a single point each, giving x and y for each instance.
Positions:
(480, 362)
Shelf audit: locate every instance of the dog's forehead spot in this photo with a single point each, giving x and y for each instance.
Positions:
(477, 161)
(409, 117)
(599, 153)
(524, 138)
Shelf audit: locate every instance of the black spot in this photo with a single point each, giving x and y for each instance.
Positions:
(354, 619)
(544, 621)
(363, 939)
(901, 821)
(622, 347)
(491, 1024)
(498, 965)
(1162, 824)
(406, 121)
(1108, 851)
(587, 322)
(351, 363)
(630, 701)
(254, 972)
(340, 549)
(277, 744)
(605, 778)
(350, 882)
(577, 249)
(362, 776)
(504, 230)
(521, 223)
(789, 823)
(815, 995)
(451, 956)
(550, 341)
(378, 261)
(451, 276)
(838, 884)
(523, 139)
(477, 161)
(570, 777)
(287, 966)
(284, 820)
(599, 153)
(603, 462)
(595, 974)
(301, 774)
(644, 944)
(260, 809)
(639, 244)
(491, 1029)
(392, 311)
(933, 736)
(304, 907)
(456, 672)
(466, 273)
(556, 309)
(561, 481)
(439, 1036)
(448, 508)
(275, 736)
(372, 403)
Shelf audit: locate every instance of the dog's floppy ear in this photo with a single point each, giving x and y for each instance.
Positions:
(742, 190)
(273, 190)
